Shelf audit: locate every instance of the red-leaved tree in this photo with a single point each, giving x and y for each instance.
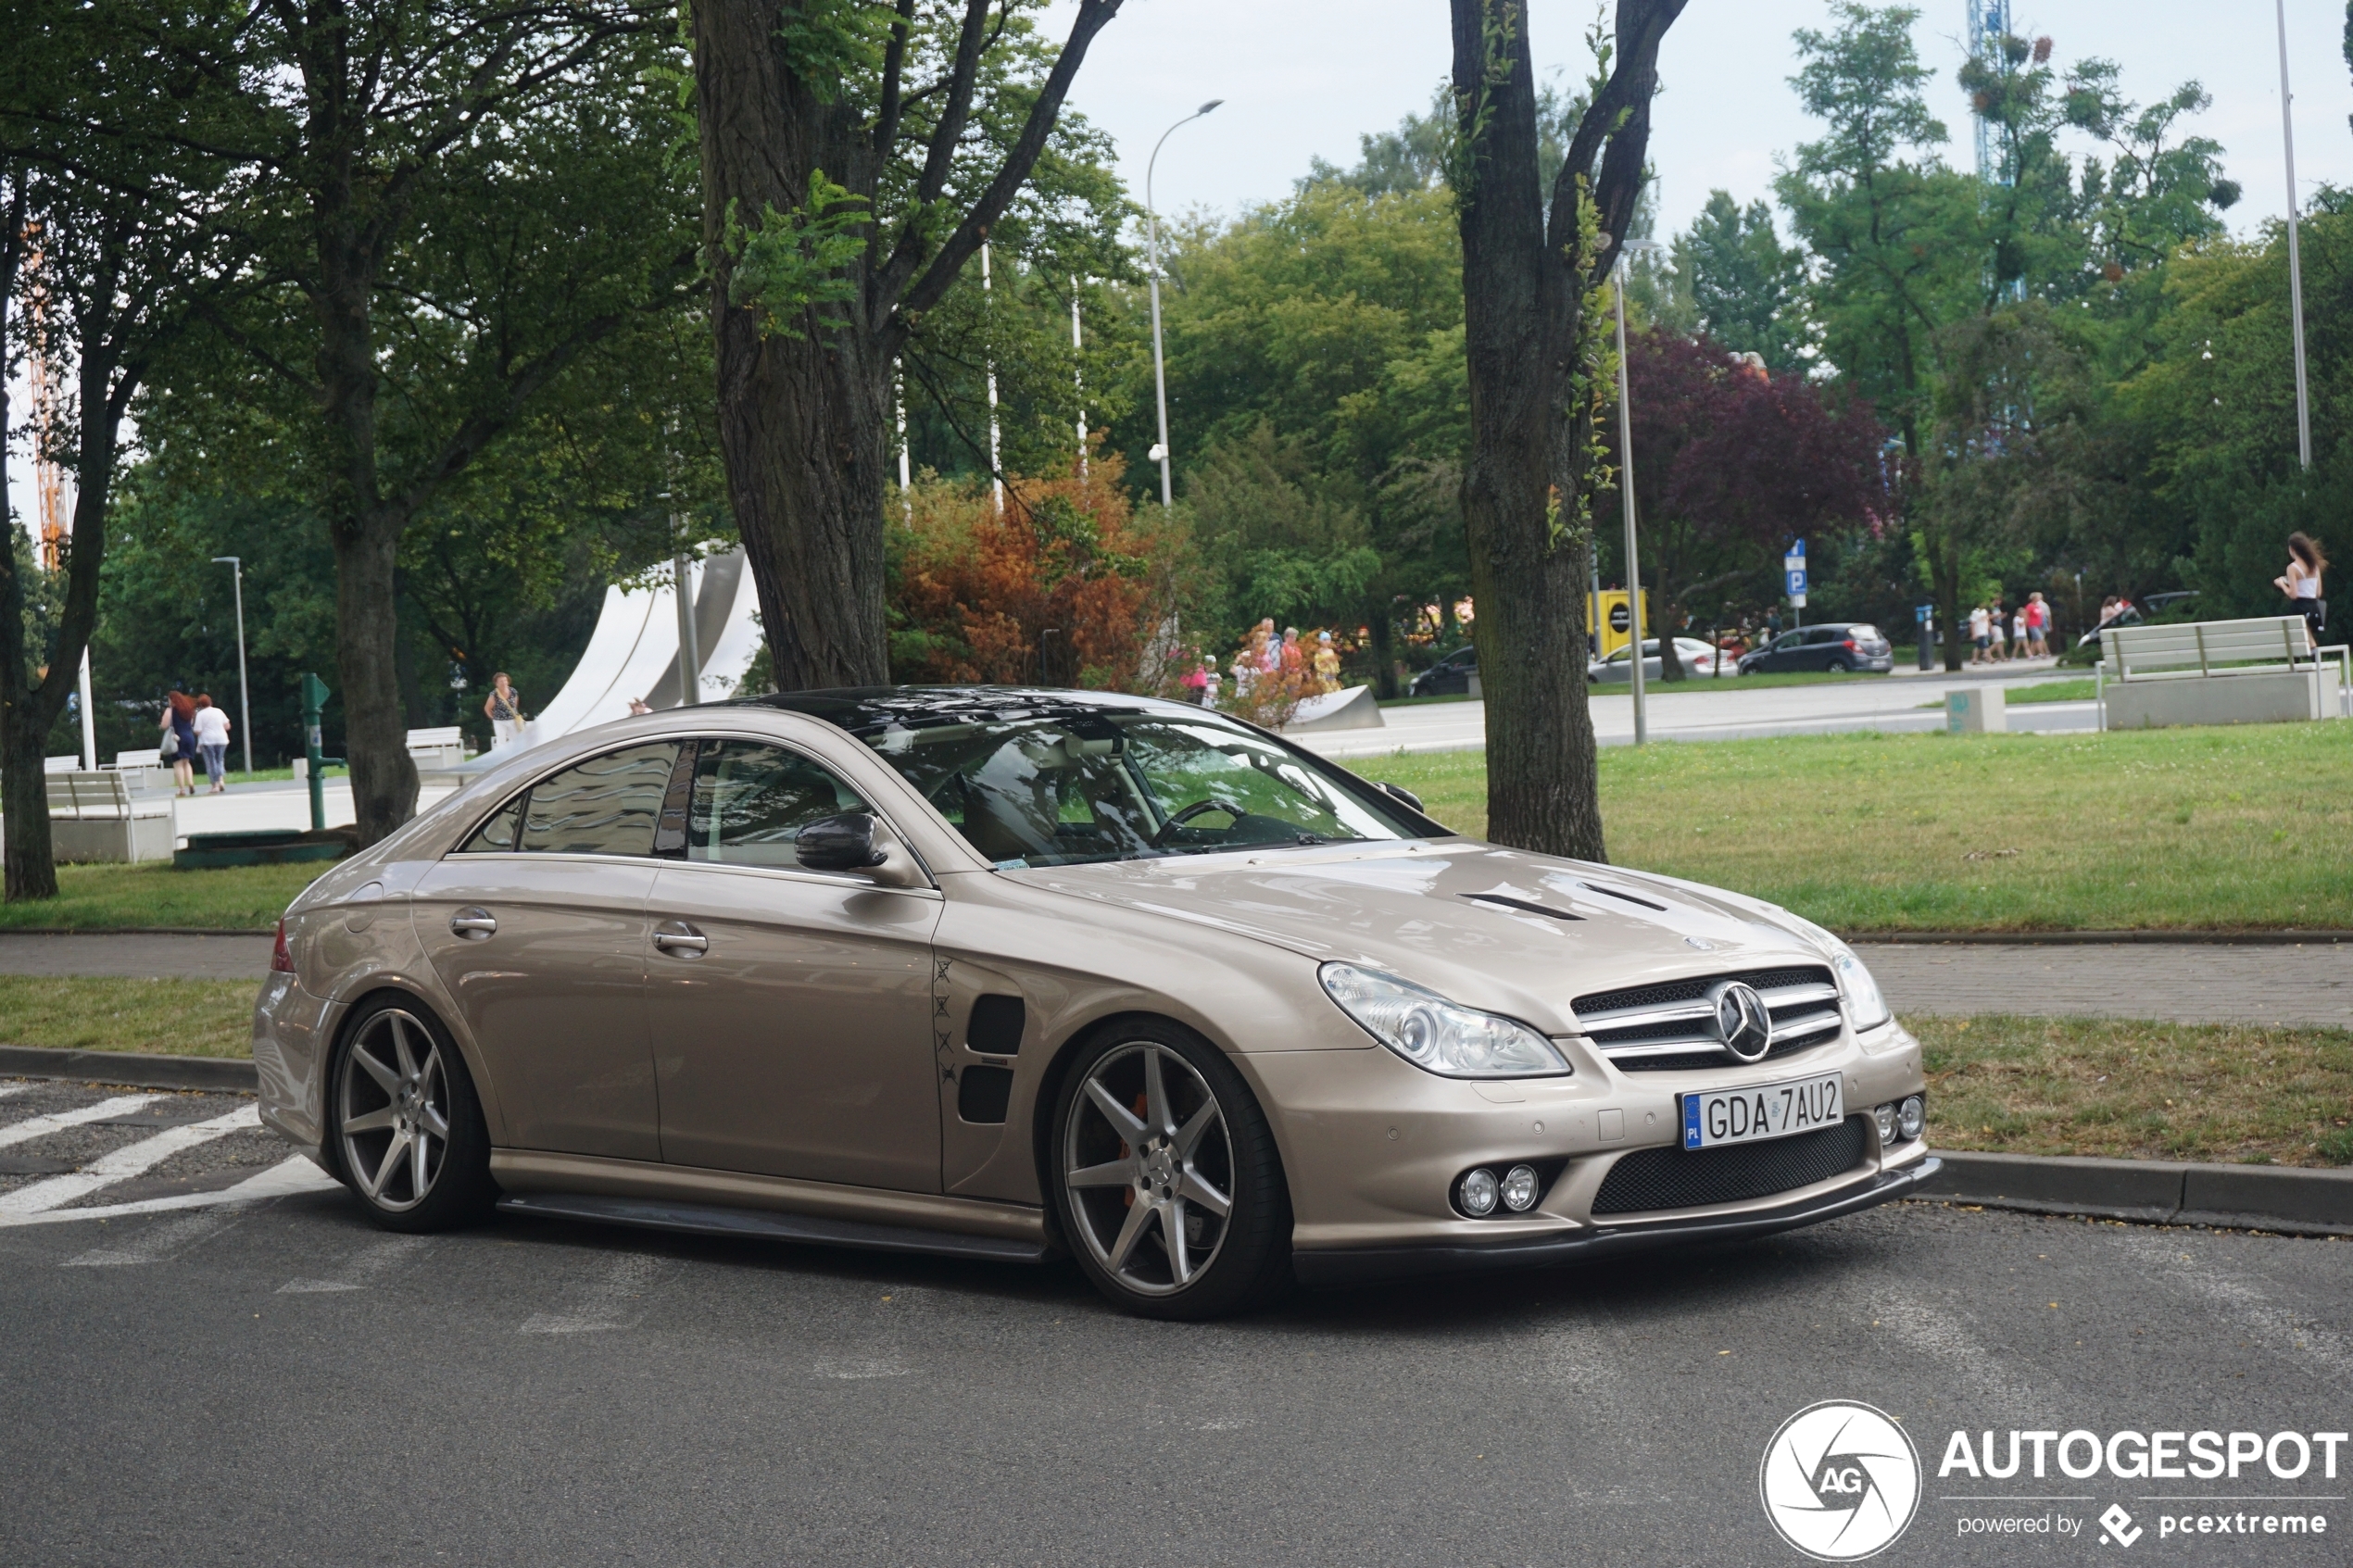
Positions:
(1731, 463)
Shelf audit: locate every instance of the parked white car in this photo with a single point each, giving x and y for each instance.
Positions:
(1697, 656)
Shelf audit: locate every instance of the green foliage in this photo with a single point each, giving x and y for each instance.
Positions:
(789, 265)
(831, 43)
(1746, 288)
(1283, 544)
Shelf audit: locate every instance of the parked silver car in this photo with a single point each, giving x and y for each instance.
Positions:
(1012, 974)
(1697, 658)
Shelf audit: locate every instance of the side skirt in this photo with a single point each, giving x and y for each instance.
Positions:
(711, 1219)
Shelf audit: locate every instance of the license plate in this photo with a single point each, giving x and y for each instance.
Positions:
(1765, 1110)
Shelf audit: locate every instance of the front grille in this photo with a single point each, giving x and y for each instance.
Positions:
(1679, 1178)
(1670, 1027)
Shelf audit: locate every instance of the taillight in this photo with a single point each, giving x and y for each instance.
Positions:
(280, 956)
(1849, 644)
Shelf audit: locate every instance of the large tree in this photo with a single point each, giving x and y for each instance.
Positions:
(121, 238)
(451, 204)
(855, 158)
(1534, 264)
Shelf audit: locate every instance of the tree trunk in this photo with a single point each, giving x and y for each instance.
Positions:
(383, 779)
(1670, 622)
(24, 801)
(803, 420)
(1381, 622)
(1529, 484)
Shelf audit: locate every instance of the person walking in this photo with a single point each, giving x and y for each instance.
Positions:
(2019, 645)
(503, 707)
(2038, 625)
(2301, 583)
(211, 728)
(1980, 637)
(1996, 627)
(179, 742)
(1326, 663)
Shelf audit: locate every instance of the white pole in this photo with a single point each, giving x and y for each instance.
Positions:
(996, 465)
(1078, 377)
(2295, 259)
(1626, 493)
(1151, 271)
(89, 726)
(906, 480)
(244, 701)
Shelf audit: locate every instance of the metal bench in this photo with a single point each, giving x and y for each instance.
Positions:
(439, 748)
(103, 816)
(65, 764)
(2260, 671)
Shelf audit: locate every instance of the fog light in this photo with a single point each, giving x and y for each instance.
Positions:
(1912, 1118)
(1477, 1194)
(1519, 1190)
(1885, 1117)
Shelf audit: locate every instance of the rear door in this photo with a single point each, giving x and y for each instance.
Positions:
(537, 926)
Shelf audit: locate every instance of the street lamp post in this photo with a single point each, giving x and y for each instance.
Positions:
(244, 709)
(1151, 231)
(2294, 261)
(1625, 494)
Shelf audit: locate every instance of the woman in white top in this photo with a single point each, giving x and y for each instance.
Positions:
(1980, 634)
(212, 740)
(2302, 583)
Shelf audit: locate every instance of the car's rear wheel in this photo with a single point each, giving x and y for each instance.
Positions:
(406, 1127)
(1166, 1179)
(1838, 666)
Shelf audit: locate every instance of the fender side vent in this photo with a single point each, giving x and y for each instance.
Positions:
(982, 1092)
(995, 1027)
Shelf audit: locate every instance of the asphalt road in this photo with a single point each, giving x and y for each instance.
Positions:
(278, 1382)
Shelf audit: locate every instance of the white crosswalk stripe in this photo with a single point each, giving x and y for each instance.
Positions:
(365, 1267)
(293, 1176)
(123, 1163)
(58, 1121)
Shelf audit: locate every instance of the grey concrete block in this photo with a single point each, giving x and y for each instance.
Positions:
(2311, 1198)
(2269, 698)
(2083, 1184)
(220, 1074)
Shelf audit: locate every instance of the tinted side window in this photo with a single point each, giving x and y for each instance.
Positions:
(751, 801)
(605, 806)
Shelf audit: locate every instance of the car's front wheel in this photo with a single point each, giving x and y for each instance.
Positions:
(1168, 1183)
(408, 1129)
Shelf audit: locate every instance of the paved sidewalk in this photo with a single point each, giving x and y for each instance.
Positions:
(138, 955)
(2186, 983)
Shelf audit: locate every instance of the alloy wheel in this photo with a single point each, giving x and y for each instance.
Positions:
(1147, 1164)
(394, 1109)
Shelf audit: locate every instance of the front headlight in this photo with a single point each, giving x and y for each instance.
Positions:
(1436, 1035)
(1865, 1008)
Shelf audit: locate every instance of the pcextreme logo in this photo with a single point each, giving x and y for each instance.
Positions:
(1840, 1481)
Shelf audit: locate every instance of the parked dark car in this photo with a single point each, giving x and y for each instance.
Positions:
(1449, 677)
(1834, 645)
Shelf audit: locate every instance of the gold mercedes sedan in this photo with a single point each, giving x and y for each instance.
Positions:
(1017, 974)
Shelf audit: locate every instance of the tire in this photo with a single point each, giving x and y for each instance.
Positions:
(1143, 1206)
(1837, 667)
(404, 1123)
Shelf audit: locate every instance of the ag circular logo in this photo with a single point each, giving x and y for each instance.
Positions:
(1840, 1481)
(1621, 620)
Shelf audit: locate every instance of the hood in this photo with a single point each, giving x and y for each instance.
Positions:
(1498, 929)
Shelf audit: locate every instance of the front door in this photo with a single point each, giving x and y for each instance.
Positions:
(790, 1009)
(537, 927)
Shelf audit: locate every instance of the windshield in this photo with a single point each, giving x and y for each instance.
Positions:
(1121, 786)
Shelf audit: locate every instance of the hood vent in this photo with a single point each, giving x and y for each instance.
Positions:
(1522, 906)
(1671, 1026)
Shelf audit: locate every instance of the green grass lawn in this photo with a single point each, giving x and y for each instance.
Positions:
(103, 898)
(151, 1017)
(2083, 690)
(2139, 1091)
(2245, 827)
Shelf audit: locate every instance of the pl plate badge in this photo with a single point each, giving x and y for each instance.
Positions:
(1840, 1481)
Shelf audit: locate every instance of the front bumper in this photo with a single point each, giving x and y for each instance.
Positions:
(1360, 1265)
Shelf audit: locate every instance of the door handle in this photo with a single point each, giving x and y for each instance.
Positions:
(680, 940)
(474, 925)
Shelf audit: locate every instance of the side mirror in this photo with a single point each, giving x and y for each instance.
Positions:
(1405, 797)
(840, 844)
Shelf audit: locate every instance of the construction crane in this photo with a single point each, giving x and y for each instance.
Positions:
(1989, 21)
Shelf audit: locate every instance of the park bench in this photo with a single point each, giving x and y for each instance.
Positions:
(104, 816)
(439, 748)
(2258, 672)
(65, 764)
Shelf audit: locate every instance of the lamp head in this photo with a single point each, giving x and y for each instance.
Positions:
(1209, 106)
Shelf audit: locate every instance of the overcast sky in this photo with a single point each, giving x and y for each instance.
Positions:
(1301, 79)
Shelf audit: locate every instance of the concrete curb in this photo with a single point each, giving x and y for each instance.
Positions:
(138, 931)
(218, 1074)
(2090, 938)
(2267, 1198)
